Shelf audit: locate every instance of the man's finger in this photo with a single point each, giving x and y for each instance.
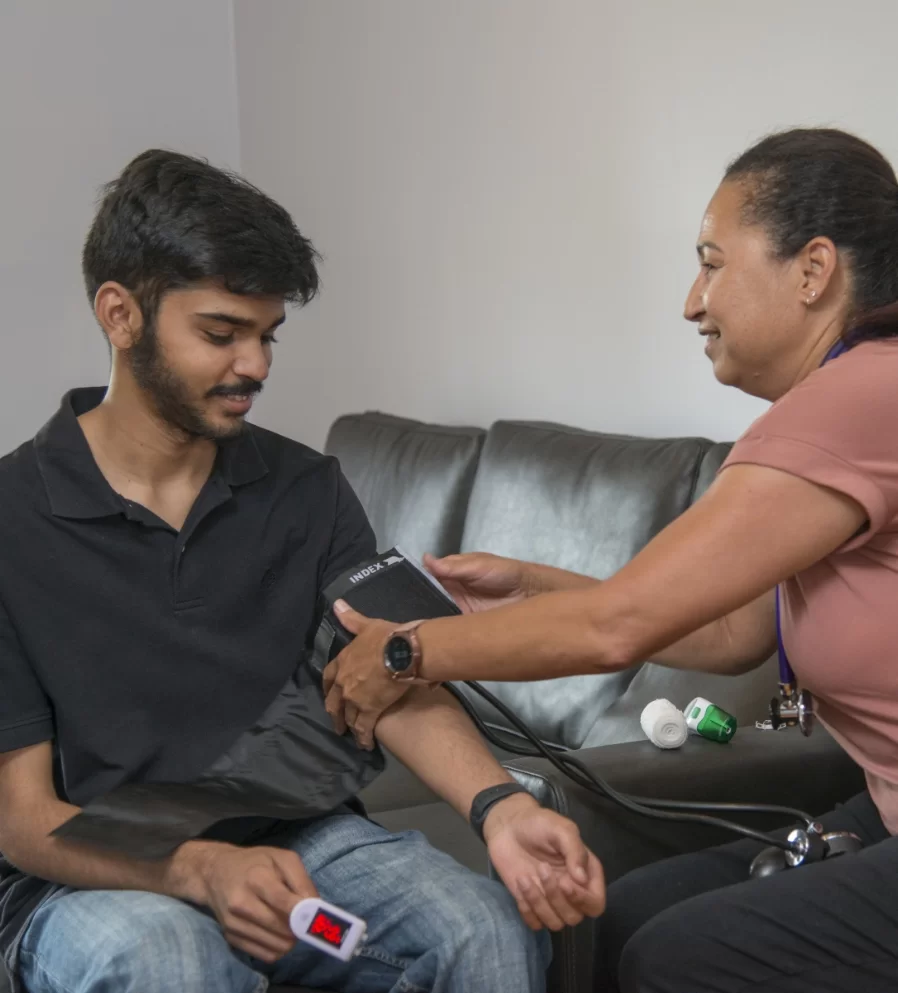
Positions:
(595, 887)
(541, 907)
(333, 704)
(561, 901)
(526, 911)
(258, 946)
(294, 874)
(576, 854)
(351, 619)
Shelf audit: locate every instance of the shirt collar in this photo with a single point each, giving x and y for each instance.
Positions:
(75, 486)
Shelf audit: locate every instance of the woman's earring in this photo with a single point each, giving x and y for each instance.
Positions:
(810, 298)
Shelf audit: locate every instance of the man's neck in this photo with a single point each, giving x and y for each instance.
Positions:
(132, 444)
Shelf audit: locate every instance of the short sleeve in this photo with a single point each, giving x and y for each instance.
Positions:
(838, 429)
(25, 714)
(352, 540)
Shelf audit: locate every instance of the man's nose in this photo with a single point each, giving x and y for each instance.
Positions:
(252, 362)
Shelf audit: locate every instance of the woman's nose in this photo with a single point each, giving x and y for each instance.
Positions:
(694, 307)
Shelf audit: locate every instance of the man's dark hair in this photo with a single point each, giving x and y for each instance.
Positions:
(170, 221)
(812, 182)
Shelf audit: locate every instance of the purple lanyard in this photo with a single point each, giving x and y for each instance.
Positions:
(787, 675)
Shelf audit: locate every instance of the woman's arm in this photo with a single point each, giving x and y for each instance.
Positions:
(740, 641)
(752, 529)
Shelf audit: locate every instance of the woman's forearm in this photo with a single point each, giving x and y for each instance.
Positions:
(549, 579)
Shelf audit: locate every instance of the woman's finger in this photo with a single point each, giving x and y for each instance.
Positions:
(333, 704)
(352, 620)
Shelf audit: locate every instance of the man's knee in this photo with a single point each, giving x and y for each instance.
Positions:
(129, 941)
(479, 918)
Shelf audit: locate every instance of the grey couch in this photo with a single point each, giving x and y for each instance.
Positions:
(587, 502)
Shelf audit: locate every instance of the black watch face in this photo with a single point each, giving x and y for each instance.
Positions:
(398, 653)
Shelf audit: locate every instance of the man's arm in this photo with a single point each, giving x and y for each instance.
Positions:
(430, 734)
(251, 891)
(555, 879)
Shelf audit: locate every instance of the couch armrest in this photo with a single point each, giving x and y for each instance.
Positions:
(779, 767)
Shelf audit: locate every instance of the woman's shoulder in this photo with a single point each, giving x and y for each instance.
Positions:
(861, 383)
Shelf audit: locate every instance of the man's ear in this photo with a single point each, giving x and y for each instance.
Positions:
(119, 315)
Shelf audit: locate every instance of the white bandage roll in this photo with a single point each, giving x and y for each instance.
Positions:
(664, 725)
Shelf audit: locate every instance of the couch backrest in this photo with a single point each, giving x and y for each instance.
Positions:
(576, 499)
(582, 501)
(413, 479)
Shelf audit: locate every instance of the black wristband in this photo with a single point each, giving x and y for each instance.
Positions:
(485, 800)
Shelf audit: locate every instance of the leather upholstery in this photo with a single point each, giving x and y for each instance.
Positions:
(579, 500)
(582, 501)
(413, 479)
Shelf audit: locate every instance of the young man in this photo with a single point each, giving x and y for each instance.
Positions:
(158, 583)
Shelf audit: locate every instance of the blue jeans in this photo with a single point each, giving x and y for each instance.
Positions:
(433, 927)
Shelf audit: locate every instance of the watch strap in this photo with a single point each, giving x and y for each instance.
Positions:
(486, 800)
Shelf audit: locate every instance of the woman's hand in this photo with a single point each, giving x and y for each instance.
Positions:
(357, 686)
(480, 581)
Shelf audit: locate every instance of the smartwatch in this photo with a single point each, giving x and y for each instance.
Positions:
(402, 653)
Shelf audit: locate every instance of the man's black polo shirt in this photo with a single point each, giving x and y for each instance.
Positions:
(144, 651)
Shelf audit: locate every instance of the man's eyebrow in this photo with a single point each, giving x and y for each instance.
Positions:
(235, 321)
(702, 245)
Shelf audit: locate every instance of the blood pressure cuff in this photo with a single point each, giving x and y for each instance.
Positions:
(392, 586)
(291, 764)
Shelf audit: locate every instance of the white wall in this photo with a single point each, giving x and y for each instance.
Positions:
(508, 191)
(85, 86)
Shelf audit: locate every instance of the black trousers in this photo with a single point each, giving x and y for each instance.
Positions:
(697, 923)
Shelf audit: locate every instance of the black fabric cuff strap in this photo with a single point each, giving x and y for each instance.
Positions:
(486, 799)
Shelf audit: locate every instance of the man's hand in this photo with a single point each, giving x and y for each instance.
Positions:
(251, 891)
(480, 581)
(357, 685)
(555, 879)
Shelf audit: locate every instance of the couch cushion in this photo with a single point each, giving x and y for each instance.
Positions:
(413, 479)
(713, 459)
(582, 501)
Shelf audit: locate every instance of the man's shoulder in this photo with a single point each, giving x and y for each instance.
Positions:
(19, 470)
(288, 457)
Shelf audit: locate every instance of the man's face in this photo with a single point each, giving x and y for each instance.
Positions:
(205, 358)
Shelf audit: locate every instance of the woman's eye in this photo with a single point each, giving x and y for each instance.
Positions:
(269, 339)
(220, 339)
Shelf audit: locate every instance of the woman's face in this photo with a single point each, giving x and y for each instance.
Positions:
(749, 306)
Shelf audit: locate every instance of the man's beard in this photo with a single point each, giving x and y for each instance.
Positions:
(170, 395)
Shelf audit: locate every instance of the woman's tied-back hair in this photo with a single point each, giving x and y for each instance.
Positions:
(813, 182)
(170, 221)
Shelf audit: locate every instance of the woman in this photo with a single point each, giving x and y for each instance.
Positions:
(796, 301)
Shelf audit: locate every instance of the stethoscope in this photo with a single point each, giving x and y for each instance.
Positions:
(794, 706)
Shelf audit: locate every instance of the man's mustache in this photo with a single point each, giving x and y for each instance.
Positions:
(246, 387)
